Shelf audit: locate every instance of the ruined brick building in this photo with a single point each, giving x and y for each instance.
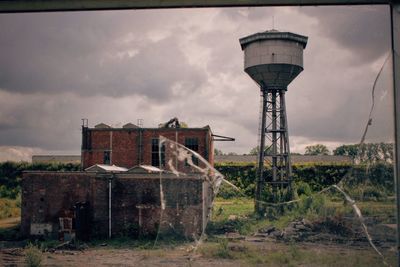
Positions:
(131, 145)
(118, 190)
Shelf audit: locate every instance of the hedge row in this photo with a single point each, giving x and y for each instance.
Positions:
(317, 176)
(11, 173)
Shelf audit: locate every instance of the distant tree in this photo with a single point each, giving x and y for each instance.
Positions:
(231, 153)
(367, 153)
(218, 152)
(317, 149)
(184, 124)
(346, 150)
(254, 151)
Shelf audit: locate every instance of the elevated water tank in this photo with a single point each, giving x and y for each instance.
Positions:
(272, 58)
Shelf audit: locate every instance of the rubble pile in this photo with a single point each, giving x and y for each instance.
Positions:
(304, 230)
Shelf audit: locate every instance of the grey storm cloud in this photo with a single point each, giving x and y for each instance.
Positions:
(342, 85)
(365, 30)
(116, 67)
(85, 54)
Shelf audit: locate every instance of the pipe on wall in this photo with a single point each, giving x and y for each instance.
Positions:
(109, 205)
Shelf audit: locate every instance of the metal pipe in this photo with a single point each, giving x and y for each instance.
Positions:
(140, 147)
(109, 205)
(84, 139)
(111, 148)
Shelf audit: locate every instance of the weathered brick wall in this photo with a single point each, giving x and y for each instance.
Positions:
(130, 148)
(125, 148)
(135, 201)
(45, 195)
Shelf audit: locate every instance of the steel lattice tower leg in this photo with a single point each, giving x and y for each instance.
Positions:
(274, 144)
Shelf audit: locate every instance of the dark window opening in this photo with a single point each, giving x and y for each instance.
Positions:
(106, 157)
(193, 144)
(155, 157)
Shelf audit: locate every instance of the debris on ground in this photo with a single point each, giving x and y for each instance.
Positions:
(66, 247)
(329, 229)
(234, 236)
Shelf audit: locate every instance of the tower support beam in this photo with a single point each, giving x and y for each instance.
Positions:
(260, 177)
(274, 146)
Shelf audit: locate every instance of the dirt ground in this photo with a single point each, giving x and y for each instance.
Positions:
(236, 250)
(336, 255)
(113, 257)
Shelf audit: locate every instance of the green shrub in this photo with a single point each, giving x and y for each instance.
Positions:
(302, 188)
(33, 256)
(314, 205)
(316, 175)
(367, 192)
(227, 192)
(374, 193)
(222, 250)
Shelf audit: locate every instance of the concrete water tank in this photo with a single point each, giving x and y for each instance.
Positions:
(272, 58)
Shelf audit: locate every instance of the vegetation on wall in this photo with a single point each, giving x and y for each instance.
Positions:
(11, 174)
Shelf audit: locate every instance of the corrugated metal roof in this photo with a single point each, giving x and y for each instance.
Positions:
(105, 168)
(144, 169)
(102, 126)
(130, 125)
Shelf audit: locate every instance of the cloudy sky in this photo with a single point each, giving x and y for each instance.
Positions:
(119, 66)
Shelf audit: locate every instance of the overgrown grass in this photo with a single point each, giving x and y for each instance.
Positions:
(289, 255)
(33, 256)
(237, 215)
(234, 215)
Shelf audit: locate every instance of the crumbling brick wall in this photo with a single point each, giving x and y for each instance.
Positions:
(132, 147)
(45, 195)
(135, 202)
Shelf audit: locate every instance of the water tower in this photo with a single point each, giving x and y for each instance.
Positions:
(273, 59)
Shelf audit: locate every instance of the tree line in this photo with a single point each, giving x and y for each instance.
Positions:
(365, 153)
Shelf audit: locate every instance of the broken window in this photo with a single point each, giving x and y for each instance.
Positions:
(192, 144)
(157, 154)
(106, 158)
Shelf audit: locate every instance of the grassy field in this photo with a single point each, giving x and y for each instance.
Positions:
(280, 254)
(238, 214)
(233, 215)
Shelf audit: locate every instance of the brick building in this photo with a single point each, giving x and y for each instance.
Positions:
(132, 146)
(65, 204)
(119, 192)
